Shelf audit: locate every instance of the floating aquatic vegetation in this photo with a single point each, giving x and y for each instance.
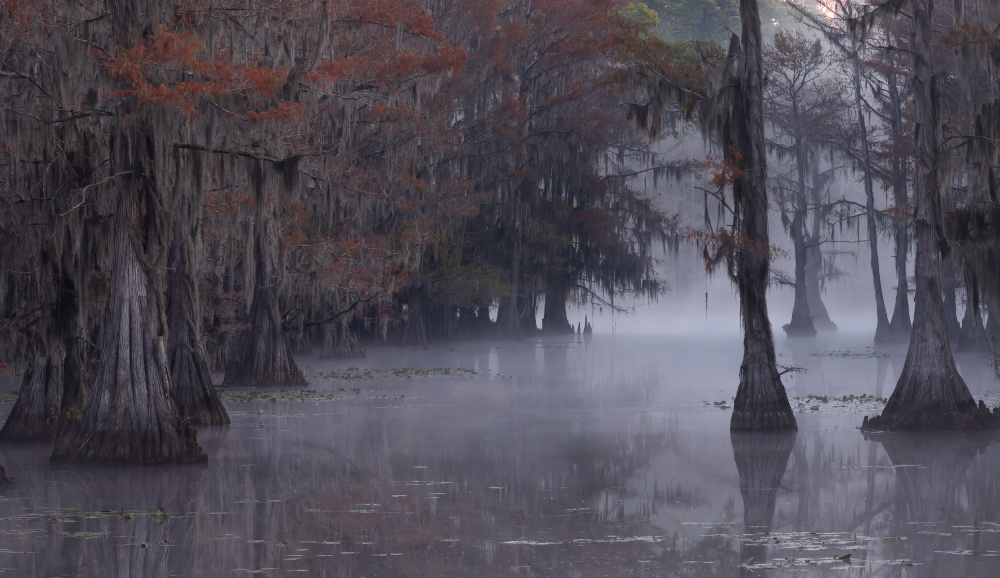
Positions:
(851, 403)
(85, 535)
(865, 403)
(808, 541)
(354, 373)
(863, 353)
(250, 395)
(585, 541)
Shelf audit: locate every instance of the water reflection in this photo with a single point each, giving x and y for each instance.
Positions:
(576, 461)
(948, 517)
(761, 459)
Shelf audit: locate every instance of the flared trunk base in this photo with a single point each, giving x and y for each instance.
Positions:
(777, 420)
(116, 446)
(932, 418)
(799, 329)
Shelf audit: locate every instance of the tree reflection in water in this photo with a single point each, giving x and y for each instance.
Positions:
(761, 459)
(943, 513)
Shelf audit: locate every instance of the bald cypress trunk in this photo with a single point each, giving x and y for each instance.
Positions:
(339, 342)
(900, 326)
(263, 356)
(949, 290)
(51, 388)
(881, 318)
(131, 415)
(801, 324)
(973, 335)
(509, 323)
(35, 413)
(761, 402)
(415, 328)
(554, 319)
(193, 390)
(930, 393)
(814, 262)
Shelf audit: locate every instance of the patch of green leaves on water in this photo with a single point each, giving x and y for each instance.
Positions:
(354, 373)
(827, 548)
(717, 404)
(865, 353)
(250, 395)
(851, 403)
(85, 535)
(73, 516)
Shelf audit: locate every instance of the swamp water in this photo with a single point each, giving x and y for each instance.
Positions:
(534, 458)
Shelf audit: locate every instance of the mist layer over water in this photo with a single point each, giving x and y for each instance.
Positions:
(549, 458)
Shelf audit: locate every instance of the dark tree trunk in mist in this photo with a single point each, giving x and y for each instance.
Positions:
(881, 318)
(263, 356)
(415, 328)
(339, 342)
(814, 263)
(817, 309)
(900, 326)
(930, 393)
(36, 412)
(528, 313)
(554, 320)
(949, 289)
(761, 459)
(53, 387)
(761, 402)
(131, 415)
(509, 323)
(992, 326)
(801, 324)
(973, 335)
(194, 392)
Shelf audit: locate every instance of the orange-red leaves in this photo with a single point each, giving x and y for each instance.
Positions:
(170, 68)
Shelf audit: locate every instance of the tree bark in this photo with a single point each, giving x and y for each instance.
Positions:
(761, 402)
(814, 263)
(339, 342)
(53, 387)
(949, 289)
(554, 319)
(193, 390)
(508, 325)
(195, 395)
(801, 324)
(973, 335)
(527, 313)
(263, 356)
(881, 318)
(36, 412)
(900, 326)
(131, 415)
(930, 393)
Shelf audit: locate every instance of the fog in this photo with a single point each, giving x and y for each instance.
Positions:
(606, 456)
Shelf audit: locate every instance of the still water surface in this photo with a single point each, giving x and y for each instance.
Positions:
(554, 458)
